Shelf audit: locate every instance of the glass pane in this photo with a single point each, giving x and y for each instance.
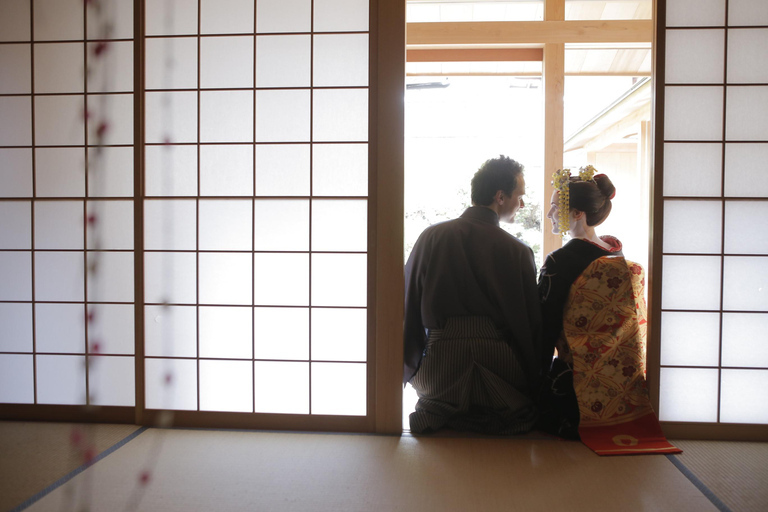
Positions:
(59, 276)
(171, 384)
(16, 276)
(339, 388)
(273, 341)
(112, 281)
(226, 386)
(113, 72)
(181, 17)
(60, 172)
(695, 56)
(17, 57)
(747, 12)
(225, 225)
(16, 171)
(14, 24)
(281, 387)
(181, 53)
(339, 334)
(283, 61)
(340, 169)
(116, 16)
(60, 328)
(743, 170)
(226, 116)
(170, 278)
(18, 133)
(59, 120)
(282, 116)
(170, 224)
(281, 225)
(15, 225)
(225, 278)
(112, 328)
(341, 15)
(170, 331)
(111, 380)
(339, 225)
(688, 394)
(16, 335)
(692, 226)
(284, 15)
(281, 279)
(171, 116)
(171, 170)
(282, 170)
(745, 339)
(691, 282)
(58, 19)
(112, 224)
(118, 111)
(226, 170)
(226, 332)
(340, 59)
(690, 339)
(226, 62)
(740, 218)
(744, 64)
(17, 385)
(695, 13)
(745, 118)
(340, 115)
(110, 172)
(608, 10)
(693, 113)
(226, 16)
(61, 380)
(745, 283)
(737, 396)
(339, 280)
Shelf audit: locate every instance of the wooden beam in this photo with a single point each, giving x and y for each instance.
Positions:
(476, 55)
(554, 87)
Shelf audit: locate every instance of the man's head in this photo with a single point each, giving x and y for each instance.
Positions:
(500, 186)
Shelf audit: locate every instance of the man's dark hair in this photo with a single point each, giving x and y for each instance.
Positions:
(494, 175)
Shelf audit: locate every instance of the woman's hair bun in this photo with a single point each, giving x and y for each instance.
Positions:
(605, 185)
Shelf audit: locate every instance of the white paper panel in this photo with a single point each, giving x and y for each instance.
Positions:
(59, 67)
(740, 219)
(113, 280)
(745, 339)
(739, 394)
(225, 225)
(747, 61)
(747, 12)
(170, 331)
(339, 388)
(225, 278)
(60, 328)
(61, 380)
(59, 120)
(226, 386)
(18, 133)
(339, 225)
(284, 16)
(112, 227)
(60, 172)
(58, 19)
(693, 113)
(745, 118)
(59, 276)
(16, 171)
(170, 224)
(226, 116)
(16, 275)
(17, 385)
(341, 15)
(171, 170)
(114, 71)
(16, 335)
(171, 384)
(226, 16)
(688, 394)
(17, 57)
(340, 60)
(171, 116)
(15, 225)
(110, 172)
(281, 279)
(111, 380)
(281, 387)
(181, 52)
(273, 341)
(14, 24)
(339, 280)
(690, 339)
(182, 17)
(743, 170)
(281, 225)
(339, 334)
(226, 62)
(170, 277)
(340, 169)
(225, 332)
(115, 15)
(283, 61)
(282, 170)
(282, 116)
(691, 282)
(745, 283)
(112, 328)
(694, 56)
(692, 226)
(226, 170)
(117, 111)
(340, 115)
(695, 13)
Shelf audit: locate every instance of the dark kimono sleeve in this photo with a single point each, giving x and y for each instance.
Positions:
(414, 333)
(553, 292)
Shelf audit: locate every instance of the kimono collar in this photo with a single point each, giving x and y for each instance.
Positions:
(482, 214)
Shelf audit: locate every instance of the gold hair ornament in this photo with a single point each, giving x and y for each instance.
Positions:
(587, 173)
(560, 180)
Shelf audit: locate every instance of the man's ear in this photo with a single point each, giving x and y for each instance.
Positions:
(499, 197)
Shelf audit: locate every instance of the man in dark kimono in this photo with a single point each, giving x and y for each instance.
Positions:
(472, 317)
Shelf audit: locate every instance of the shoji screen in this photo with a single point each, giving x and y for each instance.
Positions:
(256, 206)
(712, 148)
(66, 202)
